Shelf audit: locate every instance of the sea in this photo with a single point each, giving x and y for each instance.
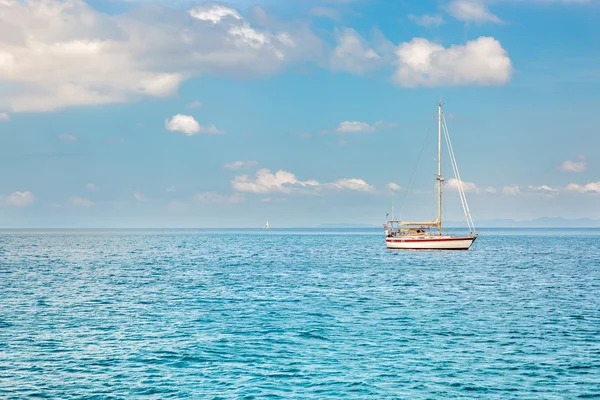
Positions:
(297, 313)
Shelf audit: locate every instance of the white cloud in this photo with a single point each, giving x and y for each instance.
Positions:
(80, 202)
(91, 187)
(354, 127)
(353, 54)
(4, 116)
(139, 196)
(17, 199)
(286, 182)
(266, 182)
(325, 12)
(67, 138)
(57, 53)
(239, 164)
(543, 189)
(189, 126)
(426, 20)
(353, 184)
(593, 187)
(393, 186)
(574, 166)
(214, 13)
(361, 127)
(171, 189)
(195, 104)
(452, 184)
(471, 11)
(511, 190)
(423, 63)
(61, 53)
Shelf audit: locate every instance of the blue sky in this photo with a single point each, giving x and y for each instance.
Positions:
(224, 114)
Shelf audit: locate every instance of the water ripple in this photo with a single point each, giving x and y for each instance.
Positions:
(297, 314)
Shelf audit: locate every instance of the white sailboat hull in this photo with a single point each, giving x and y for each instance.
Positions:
(430, 243)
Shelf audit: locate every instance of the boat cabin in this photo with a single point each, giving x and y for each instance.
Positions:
(397, 228)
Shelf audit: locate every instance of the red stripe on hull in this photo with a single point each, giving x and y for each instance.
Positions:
(434, 248)
(426, 240)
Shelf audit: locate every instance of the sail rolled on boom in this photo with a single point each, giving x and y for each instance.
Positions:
(428, 223)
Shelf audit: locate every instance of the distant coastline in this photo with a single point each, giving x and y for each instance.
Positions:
(546, 222)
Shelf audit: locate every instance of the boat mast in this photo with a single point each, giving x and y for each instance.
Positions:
(439, 174)
(393, 204)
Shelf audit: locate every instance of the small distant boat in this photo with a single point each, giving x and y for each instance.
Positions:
(266, 225)
(418, 235)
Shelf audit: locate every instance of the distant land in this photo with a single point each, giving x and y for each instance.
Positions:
(546, 222)
(347, 226)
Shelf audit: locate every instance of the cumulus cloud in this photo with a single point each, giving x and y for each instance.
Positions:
(67, 138)
(267, 182)
(471, 11)
(481, 62)
(354, 126)
(426, 20)
(239, 164)
(354, 54)
(189, 126)
(214, 13)
(543, 189)
(393, 186)
(361, 127)
(452, 184)
(593, 187)
(62, 53)
(4, 116)
(91, 187)
(286, 182)
(574, 166)
(353, 184)
(17, 199)
(80, 202)
(511, 190)
(195, 104)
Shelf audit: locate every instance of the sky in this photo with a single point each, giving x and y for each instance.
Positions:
(168, 114)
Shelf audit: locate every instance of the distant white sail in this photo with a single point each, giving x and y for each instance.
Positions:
(266, 225)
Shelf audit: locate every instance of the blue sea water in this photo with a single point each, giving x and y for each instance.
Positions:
(308, 314)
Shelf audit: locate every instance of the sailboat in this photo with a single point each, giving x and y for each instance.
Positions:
(419, 235)
(266, 225)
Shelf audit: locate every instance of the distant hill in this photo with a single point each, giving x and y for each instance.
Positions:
(346, 226)
(546, 222)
